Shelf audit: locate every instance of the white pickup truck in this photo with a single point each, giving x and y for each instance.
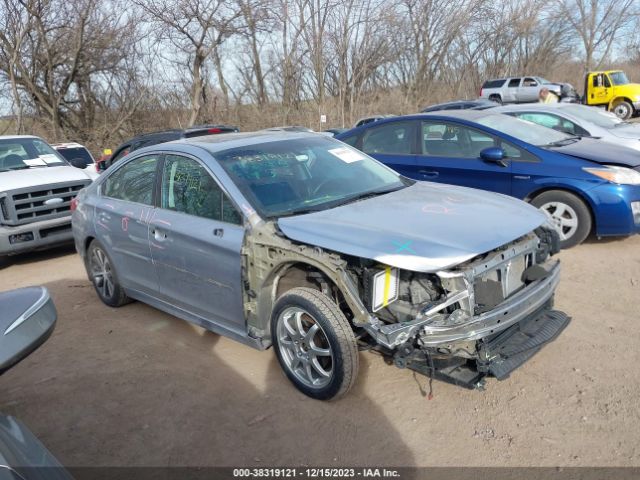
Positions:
(36, 188)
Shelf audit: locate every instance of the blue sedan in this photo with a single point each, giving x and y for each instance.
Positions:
(583, 185)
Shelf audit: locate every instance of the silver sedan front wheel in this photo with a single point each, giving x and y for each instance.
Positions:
(304, 347)
(314, 343)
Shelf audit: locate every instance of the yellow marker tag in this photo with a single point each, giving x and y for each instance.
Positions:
(387, 285)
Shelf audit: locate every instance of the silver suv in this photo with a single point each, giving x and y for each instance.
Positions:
(36, 189)
(298, 241)
(517, 89)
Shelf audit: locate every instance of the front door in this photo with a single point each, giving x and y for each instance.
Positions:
(122, 216)
(451, 154)
(196, 236)
(600, 89)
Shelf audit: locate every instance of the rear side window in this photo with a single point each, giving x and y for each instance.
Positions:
(393, 137)
(134, 181)
(514, 82)
(189, 188)
(494, 83)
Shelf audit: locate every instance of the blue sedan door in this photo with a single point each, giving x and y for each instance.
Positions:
(196, 236)
(450, 153)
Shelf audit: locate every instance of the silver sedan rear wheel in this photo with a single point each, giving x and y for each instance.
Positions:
(103, 276)
(304, 347)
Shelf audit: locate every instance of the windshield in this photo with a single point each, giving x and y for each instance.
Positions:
(543, 81)
(523, 130)
(602, 118)
(22, 153)
(76, 153)
(618, 78)
(291, 177)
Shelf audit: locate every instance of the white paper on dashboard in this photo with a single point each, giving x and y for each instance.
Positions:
(347, 155)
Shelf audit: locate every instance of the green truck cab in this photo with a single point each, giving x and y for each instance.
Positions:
(611, 89)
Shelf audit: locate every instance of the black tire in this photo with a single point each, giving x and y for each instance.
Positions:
(496, 98)
(112, 295)
(623, 110)
(4, 261)
(577, 209)
(334, 333)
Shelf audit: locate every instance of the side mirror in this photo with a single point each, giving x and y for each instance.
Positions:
(78, 162)
(493, 155)
(28, 318)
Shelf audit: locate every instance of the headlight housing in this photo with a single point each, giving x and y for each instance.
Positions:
(614, 174)
(383, 288)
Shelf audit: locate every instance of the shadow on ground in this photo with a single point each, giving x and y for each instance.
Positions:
(134, 386)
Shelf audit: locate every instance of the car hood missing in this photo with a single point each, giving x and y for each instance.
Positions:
(424, 228)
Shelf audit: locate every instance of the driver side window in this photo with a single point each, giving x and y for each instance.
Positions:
(456, 141)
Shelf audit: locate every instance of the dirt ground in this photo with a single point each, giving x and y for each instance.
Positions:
(134, 386)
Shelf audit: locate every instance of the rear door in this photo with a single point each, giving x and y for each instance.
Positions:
(529, 90)
(451, 154)
(122, 221)
(394, 144)
(196, 236)
(513, 84)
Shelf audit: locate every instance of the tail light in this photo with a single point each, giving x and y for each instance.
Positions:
(74, 203)
(214, 130)
(480, 93)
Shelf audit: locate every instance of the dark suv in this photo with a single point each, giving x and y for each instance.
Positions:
(154, 138)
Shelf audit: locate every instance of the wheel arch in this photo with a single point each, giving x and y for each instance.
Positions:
(618, 99)
(297, 273)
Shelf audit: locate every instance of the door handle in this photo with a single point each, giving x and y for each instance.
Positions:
(218, 232)
(158, 234)
(428, 173)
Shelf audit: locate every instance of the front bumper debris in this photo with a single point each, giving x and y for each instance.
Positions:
(498, 355)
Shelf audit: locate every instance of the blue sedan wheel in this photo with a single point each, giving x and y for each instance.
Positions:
(568, 214)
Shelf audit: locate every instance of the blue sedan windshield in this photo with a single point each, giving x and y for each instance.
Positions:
(523, 130)
(290, 177)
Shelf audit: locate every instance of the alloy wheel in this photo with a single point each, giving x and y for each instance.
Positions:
(304, 347)
(562, 217)
(101, 273)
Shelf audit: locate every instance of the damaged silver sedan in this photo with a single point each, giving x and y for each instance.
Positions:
(297, 241)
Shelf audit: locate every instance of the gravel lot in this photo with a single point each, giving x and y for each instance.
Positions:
(134, 386)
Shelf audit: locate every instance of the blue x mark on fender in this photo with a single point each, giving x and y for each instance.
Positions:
(406, 246)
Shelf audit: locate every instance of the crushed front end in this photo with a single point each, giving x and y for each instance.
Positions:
(486, 316)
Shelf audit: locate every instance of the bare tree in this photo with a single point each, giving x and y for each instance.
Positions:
(196, 28)
(598, 24)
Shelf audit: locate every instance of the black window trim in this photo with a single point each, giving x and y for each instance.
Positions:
(225, 193)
